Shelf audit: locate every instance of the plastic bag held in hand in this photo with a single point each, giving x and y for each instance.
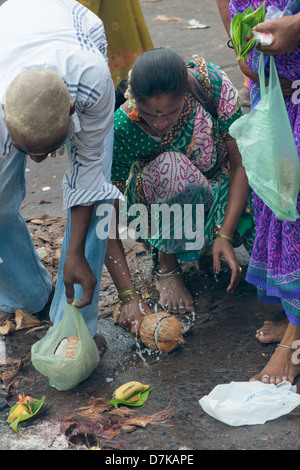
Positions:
(273, 13)
(65, 372)
(267, 146)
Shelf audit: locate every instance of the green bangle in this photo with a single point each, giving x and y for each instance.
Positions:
(128, 292)
(220, 235)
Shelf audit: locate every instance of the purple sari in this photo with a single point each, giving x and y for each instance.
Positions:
(274, 265)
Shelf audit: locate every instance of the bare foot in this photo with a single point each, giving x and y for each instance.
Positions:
(284, 363)
(174, 296)
(272, 331)
(281, 367)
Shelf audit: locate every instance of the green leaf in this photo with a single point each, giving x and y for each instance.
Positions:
(241, 30)
(35, 407)
(142, 397)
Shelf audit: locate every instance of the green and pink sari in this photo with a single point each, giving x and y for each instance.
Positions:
(188, 169)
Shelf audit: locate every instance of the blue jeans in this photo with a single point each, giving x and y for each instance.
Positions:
(24, 281)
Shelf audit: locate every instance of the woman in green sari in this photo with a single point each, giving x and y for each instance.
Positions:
(173, 151)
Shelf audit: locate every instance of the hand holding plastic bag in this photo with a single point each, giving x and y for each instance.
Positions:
(267, 146)
(63, 372)
(241, 403)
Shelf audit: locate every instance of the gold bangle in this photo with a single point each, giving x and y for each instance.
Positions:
(128, 292)
(220, 235)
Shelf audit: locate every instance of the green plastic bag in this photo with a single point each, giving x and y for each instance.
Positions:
(241, 28)
(269, 154)
(66, 373)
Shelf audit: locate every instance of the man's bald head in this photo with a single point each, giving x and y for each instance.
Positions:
(37, 109)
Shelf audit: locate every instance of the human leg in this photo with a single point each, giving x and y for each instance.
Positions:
(284, 363)
(24, 281)
(174, 181)
(272, 330)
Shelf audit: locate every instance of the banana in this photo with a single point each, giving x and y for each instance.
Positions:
(18, 411)
(129, 389)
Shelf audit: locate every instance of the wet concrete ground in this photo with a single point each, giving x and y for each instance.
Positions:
(220, 346)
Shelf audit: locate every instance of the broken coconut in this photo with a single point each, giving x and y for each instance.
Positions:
(67, 347)
(161, 332)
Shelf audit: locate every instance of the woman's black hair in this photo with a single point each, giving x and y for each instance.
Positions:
(163, 71)
(119, 92)
(158, 71)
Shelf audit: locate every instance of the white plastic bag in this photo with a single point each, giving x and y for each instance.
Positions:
(241, 403)
(273, 13)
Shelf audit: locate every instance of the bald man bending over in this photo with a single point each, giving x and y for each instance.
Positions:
(55, 86)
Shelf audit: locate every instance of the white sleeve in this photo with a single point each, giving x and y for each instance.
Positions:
(87, 179)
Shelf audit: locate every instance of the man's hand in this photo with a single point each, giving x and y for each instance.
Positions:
(78, 271)
(76, 267)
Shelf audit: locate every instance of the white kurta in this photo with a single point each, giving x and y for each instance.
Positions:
(66, 37)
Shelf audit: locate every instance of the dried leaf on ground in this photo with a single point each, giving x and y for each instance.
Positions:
(47, 235)
(96, 407)
(18, 321)
(25, 320)
(169, 19)
(99, 420)
(9, 370)
(7, 327)
(161, 417)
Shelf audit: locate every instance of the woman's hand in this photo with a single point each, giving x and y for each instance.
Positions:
(223, 249)
(285, 32)
(132, 312)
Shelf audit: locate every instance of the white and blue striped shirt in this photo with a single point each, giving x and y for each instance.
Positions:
(66, 37)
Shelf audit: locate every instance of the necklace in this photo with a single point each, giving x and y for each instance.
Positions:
(145, 125)
(159, 135)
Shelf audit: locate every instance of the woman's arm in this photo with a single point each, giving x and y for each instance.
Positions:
(237, 197)
(133, 309)
(224, 11)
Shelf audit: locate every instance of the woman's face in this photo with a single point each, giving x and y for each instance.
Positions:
(161, 112)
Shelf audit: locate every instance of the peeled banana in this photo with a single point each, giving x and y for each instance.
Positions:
(18, 411)
(129, 389)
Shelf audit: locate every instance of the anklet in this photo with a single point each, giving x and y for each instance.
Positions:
(126, 293)
(288, 347)
(176, 272)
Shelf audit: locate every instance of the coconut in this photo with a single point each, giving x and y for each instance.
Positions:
(161, 332)
(67, 347)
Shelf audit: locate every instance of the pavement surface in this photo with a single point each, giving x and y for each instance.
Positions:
(220, 345)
